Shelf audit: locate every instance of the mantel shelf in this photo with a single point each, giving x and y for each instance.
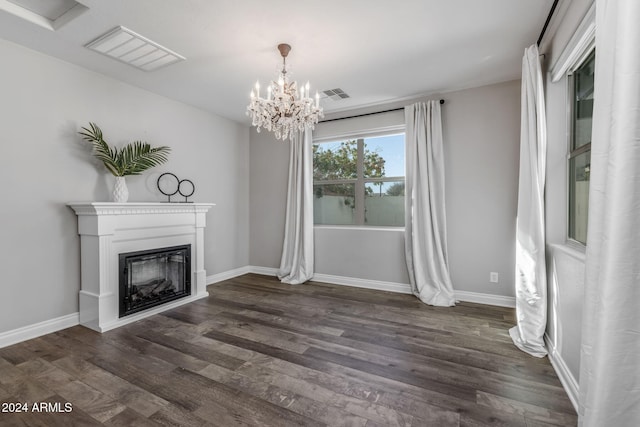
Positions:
(137, 208)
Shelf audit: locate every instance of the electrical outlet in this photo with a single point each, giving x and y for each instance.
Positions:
(493, 277)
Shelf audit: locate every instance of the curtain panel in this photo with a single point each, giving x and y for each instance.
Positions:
(531, 274)
(610, 352)
(296, 265)
(425, 216)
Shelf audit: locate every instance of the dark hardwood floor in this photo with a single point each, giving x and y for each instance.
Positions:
(260, 353)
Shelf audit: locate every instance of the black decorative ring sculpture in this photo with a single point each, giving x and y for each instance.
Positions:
(193, 189)
(178, 187)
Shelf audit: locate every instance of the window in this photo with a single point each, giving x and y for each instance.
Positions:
(581, 86)
(359, 181)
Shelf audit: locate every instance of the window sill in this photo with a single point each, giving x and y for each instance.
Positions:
(573, 249)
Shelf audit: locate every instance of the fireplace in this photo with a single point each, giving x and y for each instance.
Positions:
(109, 230)
(153, 277)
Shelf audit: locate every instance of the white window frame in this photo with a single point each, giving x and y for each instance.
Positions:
(577, 50)
(360, 181)
(572, 153)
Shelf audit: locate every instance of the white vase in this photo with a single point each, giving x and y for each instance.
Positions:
(120, 191)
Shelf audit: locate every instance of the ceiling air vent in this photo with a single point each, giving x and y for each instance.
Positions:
(131, 48)
(335, 94)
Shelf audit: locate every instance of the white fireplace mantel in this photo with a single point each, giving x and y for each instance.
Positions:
(109, 229)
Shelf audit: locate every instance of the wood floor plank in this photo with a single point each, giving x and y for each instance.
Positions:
(414, 343)
(177, 416)
(528, 410)
(153, 384)
(130, 418)
(43, 418)
(97, 404)
(134, 397)
(193, 350)
(257, 352)
(361, 408)
(398, 346)
(260, 386)
(392, 372)
(242, 405)
(451, 373)
(443, 372)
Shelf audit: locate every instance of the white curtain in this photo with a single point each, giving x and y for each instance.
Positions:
(296, 265)
(425, 219)
(610, 354)
(531, 275)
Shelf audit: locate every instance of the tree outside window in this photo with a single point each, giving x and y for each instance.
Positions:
(351, 184)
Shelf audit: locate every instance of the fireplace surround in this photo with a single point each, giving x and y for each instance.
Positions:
(109, 230)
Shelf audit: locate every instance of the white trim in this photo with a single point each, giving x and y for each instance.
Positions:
(38, 329)
(578, 47)
(226, 275)
(358, 227)
(137, 208)
(49, 326)
(42, 21)
(402, 288)
(564, 374)
(370, 132)
(488, 299)
(572, 250)
(108, 230)
(265, 271)
(146, 313)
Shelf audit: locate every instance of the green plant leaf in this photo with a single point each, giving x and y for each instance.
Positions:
(132, 159)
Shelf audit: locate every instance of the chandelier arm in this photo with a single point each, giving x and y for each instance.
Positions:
(285, 110)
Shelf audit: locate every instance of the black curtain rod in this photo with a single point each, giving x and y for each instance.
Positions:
(546, 23)
(368, 114)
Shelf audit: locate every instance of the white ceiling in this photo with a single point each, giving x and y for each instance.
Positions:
(377, 51)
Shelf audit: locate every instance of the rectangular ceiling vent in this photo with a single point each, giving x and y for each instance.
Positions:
(133, 49)
(335, 94)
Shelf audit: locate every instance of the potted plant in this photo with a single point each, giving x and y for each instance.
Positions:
(132, 159)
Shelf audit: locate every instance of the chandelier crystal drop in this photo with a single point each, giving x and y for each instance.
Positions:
(287, 109)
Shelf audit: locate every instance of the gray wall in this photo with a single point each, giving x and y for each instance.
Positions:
(45, 164)
(565, 263)
(269, 164)
(482, 139)
(481, 132)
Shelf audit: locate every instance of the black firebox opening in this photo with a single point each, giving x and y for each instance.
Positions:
(153, 277)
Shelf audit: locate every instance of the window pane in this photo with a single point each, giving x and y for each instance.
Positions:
(345, 174)
(384, 203)
(334, 204)
(583, 107)
(384, 156)
(579, 168)
(335, 160)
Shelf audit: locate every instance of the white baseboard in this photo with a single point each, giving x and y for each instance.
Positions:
(562, 370)
(265, 271)
(488, 299)
(48, 326)
(144, 314)
(401, 288)
(38, 329)
(226, 275)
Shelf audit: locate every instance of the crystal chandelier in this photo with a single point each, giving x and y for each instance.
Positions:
(286, 109)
